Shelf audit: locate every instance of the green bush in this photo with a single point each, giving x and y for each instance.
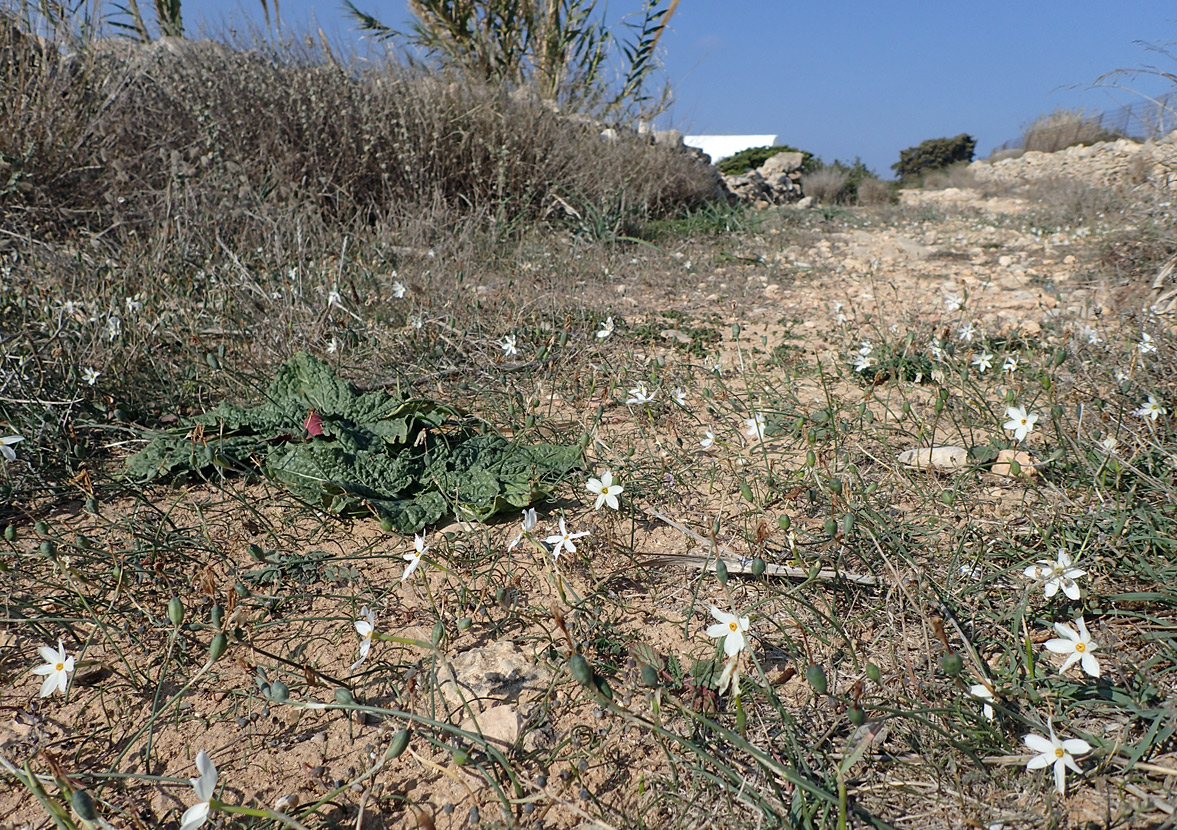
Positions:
(934, 154)
(753, 157)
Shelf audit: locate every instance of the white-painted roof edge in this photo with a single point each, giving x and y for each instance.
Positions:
(722, 146)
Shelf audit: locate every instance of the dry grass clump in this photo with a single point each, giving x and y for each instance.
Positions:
(1065, 128)
(958, 175)
(827, 185)
(228, 142)
(874, 192)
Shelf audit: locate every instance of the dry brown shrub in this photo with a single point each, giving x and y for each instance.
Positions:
(1065, 128)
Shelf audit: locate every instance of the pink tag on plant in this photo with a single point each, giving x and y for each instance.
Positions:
(313, 424)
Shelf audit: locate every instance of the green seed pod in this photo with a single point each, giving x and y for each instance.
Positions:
(82, 541)
(745, 491)
(650, 676)
(216, 616)
(948, 498)
(218, 645)
(563, 339)
(176, 611)
(784, 522)
(1047, 383)
(48, 549)
(438, 634)
(501, 596)
(831, 527)
(906, 408)
(758, 567)
(92, 506)
(810, 459)
(1015, 469)
(816, 677)
(10, 533)
(715, 528)
(862, 410)
(398, 745)
(461, 756)
(1056, 412)
(951, 664)
(386, 525)
(529, 422)
(721, 571)
(242, 590)
(41, 529)
(735, 329)
(83, 805)
(848, 524)
(604, 688)
(464, 623)
(212, 360)
(279, 691)
(938, 407)
(835, 486)
(856, 715)
(585, 439)
(580, 669)
(873, 672)
(343, 697)
(1060, 357)
(256, 553)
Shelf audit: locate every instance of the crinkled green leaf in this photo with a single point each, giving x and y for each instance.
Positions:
(410, 461)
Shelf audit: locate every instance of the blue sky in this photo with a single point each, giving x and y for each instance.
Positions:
(847, 79)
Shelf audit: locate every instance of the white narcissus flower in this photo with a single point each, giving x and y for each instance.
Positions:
(731, 628)
(754, 426)
(606, 329)
(983, 693)
(205, 787)
(528, 526)
(730, 677)
(563, 540)
(398, 290)
(967, 332)
(57, 667)
(680, 397)
(708, 440)
(983, 361)
(91, 376)
(605, 490)
(1056, 575)
(1151, 409)
(1146, 346)
(1011, 364)
(1077, 645)
(865, 348)
(114, 326)
(952, 302)
(334, 298)
(6, 443)
(507, 344)
(641, 395)
(1020, 421)
(365, 627)
(1109, 444)
(862, 362)
(414, 558)
(333, 346)
(1060, 754)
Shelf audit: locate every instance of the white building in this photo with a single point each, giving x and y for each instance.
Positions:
(722, 146)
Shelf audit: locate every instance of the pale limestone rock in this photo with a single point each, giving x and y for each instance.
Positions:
(942, 459)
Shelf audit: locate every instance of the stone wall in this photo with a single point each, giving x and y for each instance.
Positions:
(1121, 162)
